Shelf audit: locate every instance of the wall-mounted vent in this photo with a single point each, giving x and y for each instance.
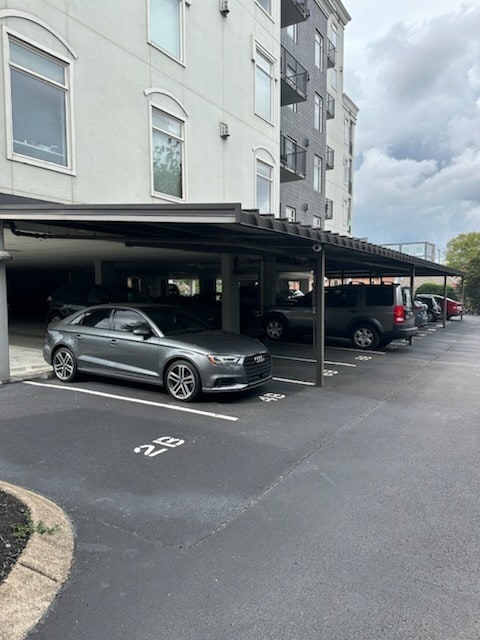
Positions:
(224, 8)
(224, 130)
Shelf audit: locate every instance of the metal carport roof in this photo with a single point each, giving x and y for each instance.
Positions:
(224, 228)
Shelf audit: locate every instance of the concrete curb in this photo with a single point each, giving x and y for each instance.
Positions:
(41, 569)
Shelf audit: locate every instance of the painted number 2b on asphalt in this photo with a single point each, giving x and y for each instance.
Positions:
(165, 442)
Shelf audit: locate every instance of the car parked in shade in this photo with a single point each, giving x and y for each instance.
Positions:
(434, 310)
(370, 315)
(69, 298)
(421, 317)
(454, 307)
(161, 344)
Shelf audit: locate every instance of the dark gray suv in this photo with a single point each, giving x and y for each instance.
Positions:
(370, 315)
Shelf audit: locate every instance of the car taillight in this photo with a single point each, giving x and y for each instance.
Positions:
(399, 314)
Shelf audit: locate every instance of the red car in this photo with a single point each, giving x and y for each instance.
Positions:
(454, 307)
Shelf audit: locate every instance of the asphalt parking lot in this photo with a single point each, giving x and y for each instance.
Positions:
(288, 512)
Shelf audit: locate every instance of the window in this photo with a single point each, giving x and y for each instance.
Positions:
(317, 174)
(334, 34)
(332, 77)
(128, 320)
(346, 170)
(292, 31)
(40, 105)
(263, 86)
(167, 154)
(346, 131)
(99, 319)
(264, 174)
(266, 5)
(293, 107)
(166, 26)
(290, 213)
(318, 112)
(319, 47)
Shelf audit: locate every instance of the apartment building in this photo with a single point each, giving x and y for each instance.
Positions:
(317, 146)
(140, 101)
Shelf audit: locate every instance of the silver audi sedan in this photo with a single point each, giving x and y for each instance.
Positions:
(161, 344)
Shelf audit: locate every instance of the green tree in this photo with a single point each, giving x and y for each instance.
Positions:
(463, 253)
(437, 289)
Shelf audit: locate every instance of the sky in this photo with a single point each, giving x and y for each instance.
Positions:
(413, 69)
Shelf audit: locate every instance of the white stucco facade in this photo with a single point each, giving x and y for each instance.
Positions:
(114, 76)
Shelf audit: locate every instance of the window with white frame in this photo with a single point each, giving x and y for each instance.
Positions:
(40, 105)
(290, 213)
(317, 174)
(166, 26)
(346, 170)
(266, 5)
(318, 112)
(319, 50)
(346, 130)
(292, 107)
(167, 154)
(263, 85)
(264, 178)
(334, 34)
(332, 78)
(292, 31)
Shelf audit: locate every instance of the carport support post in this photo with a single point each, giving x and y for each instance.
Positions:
(104, 273)
(4, 355)
(319, 318)
(268, 281)
(230, 295)
(444, 301)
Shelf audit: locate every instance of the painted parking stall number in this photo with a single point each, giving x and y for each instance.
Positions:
(166, 443)
(272, 397)
(363, 358)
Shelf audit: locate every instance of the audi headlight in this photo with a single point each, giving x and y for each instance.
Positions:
(218, 359)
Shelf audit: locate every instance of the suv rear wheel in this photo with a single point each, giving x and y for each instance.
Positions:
(365, 336)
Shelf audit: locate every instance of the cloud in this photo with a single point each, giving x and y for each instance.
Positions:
(418, 132)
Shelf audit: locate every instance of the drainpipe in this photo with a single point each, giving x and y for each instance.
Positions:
(4, 354)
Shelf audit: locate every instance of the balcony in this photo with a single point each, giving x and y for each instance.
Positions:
(330, 111)
(328, 209)
(293, 160)
(331, 54)
(330, 158)
(294, 80)
(293, 11)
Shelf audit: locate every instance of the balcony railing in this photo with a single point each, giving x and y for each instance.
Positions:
(328, 209)
(331, 54)
(294, 11)
(330, 107)
(294, 79)
(330, 158)
(293, 160)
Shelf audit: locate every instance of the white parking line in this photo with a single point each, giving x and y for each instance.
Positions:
(307, 384)
(134, 400)
(340, 364)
